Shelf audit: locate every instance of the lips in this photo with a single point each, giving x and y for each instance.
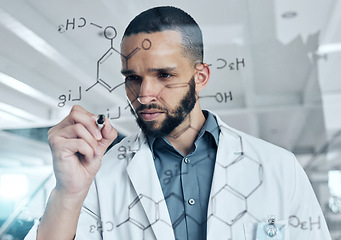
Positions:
(150, 115)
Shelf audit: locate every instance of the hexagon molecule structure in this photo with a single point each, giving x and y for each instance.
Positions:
(245, 166)
(105, 64)
(230, 215)
(138, 220)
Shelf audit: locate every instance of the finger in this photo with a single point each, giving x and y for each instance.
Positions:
(88, 157)
(76, 152)
(78, 131)
(67, 120)
(80, 115)
(67, 148)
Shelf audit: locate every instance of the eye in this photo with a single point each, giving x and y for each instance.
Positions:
(164, 75)
(132, 78)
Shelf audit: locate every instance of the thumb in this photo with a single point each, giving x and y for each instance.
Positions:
(109, 134)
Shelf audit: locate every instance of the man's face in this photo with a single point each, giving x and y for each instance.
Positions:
(160, 81)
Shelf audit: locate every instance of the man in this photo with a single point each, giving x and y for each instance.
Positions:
(187, 175)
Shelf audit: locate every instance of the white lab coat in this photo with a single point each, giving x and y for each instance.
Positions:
(252, 181)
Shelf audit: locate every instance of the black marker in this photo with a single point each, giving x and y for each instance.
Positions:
(100, 121)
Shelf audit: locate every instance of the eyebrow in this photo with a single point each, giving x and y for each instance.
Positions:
(127, 72)
(166, 69)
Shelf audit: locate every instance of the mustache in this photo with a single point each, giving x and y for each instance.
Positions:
(150, 106)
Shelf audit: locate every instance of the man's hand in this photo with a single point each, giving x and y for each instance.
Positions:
(77, 146)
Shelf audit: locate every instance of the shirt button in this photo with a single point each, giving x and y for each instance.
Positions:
(191, 201)
(186, 160)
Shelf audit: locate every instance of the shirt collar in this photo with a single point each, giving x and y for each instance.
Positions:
(210, 126)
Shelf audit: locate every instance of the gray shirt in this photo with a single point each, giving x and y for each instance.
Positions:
(186, 180)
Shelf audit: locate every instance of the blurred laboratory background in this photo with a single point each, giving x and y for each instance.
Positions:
(276, 68)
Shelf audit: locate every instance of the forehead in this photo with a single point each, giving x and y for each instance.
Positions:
(153, 50)
(156, 41)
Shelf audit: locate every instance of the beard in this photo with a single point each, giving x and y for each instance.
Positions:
(173, 118)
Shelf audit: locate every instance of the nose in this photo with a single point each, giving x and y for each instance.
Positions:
(148, 92)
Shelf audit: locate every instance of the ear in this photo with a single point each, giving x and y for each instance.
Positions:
(202, 76)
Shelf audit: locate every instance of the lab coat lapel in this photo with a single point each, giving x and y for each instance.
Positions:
(142, 173)
(230, 149)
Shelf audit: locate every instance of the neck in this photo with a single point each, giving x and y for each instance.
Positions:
(182, 138)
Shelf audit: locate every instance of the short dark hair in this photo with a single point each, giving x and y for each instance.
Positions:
(170, 18)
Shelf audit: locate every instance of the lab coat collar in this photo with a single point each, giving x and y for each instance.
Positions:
(230, 150)
(142, 173)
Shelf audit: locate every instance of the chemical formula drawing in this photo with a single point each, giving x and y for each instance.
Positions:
(108, 81)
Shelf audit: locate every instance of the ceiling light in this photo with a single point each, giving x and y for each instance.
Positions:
(26, 89)
(18, 112)
(329, 48)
